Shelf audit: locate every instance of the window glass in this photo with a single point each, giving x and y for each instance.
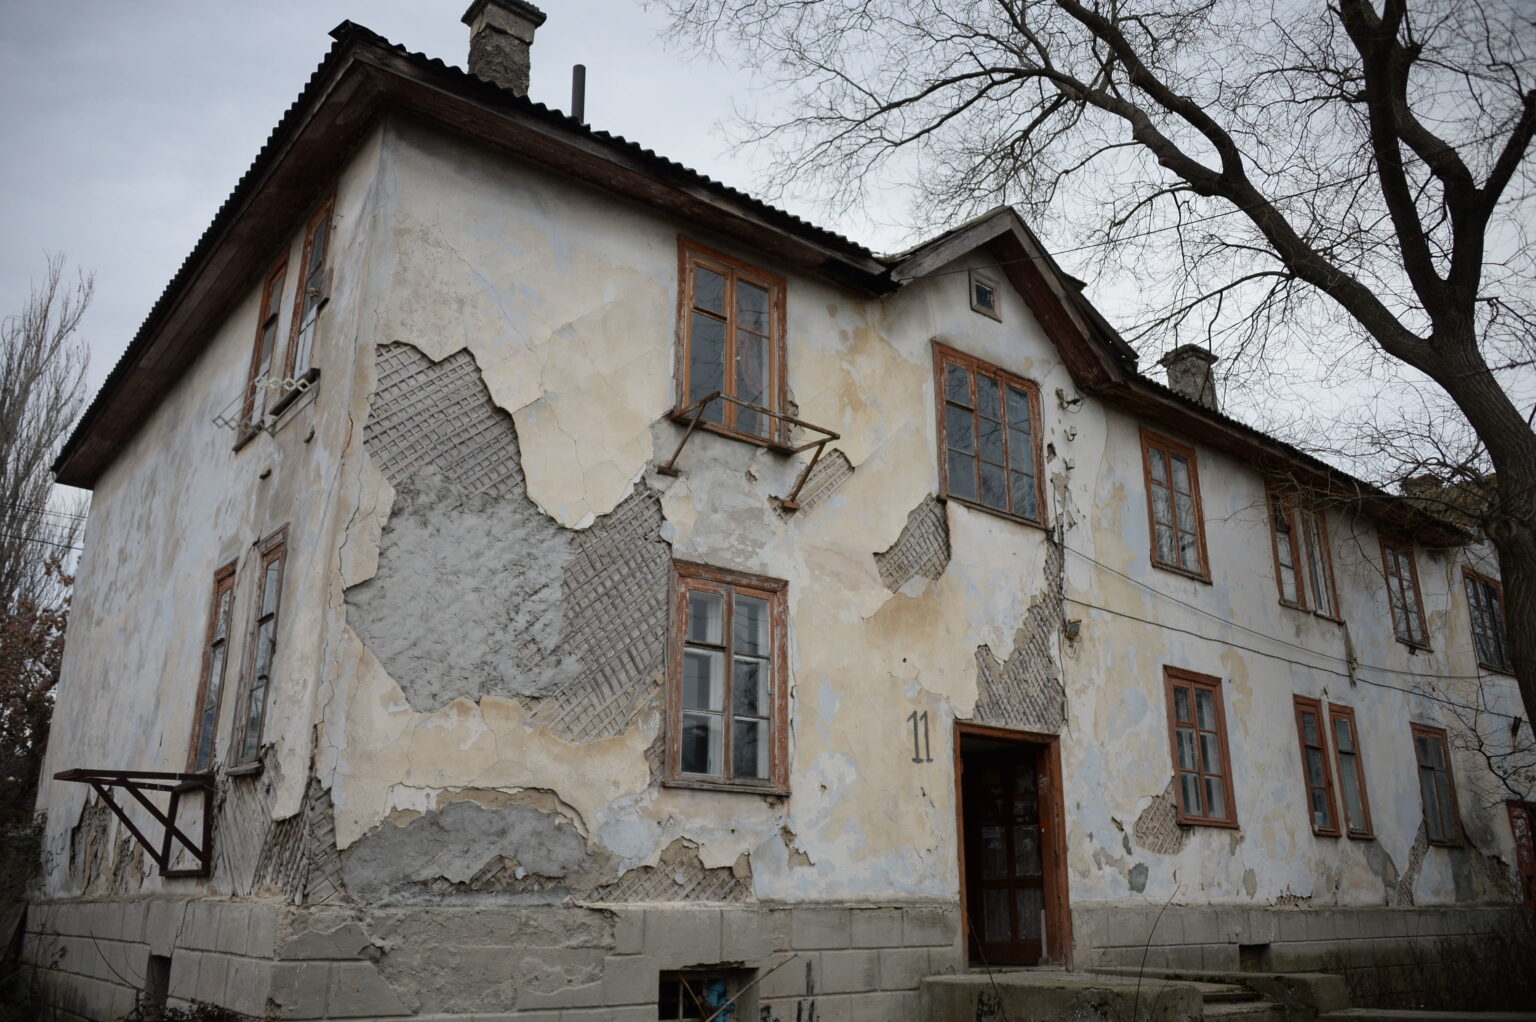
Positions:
(732, 342)
(987, 428)
(1173, 498)
(251, 717)
(1403, 593)
(215, 657)
(1485, 600)
(1200, 748)
(1435, 788)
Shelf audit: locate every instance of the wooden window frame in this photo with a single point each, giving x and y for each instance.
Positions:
(1171, 447)
(270, 313)
(223, 585)
(692, 577)
(975, 277)
(1280, 503)
(273, 548)
(1389, 573)
(944, 355)
(1306, 705)
(1438, 734)
(1337, 713)
(1471, 579)
(1176, 677)
(319, 281)
(689, 255)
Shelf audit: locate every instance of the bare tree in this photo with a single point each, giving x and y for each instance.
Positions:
(42, 377)
(1256, 170)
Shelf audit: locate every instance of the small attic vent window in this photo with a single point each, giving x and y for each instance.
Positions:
(984, 295)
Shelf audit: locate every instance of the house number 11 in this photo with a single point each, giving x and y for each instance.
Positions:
(922, 749)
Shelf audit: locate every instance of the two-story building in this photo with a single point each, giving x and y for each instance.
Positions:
(553, 584)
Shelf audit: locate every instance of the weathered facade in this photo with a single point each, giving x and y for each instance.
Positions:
(457, 769)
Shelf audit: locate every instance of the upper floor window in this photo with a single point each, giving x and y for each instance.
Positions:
(1346, 744)
(727, 697)
(251, 711)
(989, 436)
(264, 354)
(1303, 563)
(314, 289)
(210, 685)
(1173, 505)
(731, 331)
(1437, 789)
(985, 295)
(1485, 599)
(1315, 768)
(1403, 598)
(1197, 726)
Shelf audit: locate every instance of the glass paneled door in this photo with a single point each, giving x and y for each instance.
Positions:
(1004, 875)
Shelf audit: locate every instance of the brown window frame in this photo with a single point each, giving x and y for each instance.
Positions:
(1169, 447)
(1437, 734)
(1391, 571)
(314, 280)
(1498, 623)
(975, 278)
(1287, 508)
(272, 549)
(205, 715)
(270, 319)
(945, 356)
(1337, 713)
(1173, 679)
(689, 578)
(691, 255)
(1303, 706)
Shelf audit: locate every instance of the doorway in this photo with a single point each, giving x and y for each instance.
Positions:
(1012, 844)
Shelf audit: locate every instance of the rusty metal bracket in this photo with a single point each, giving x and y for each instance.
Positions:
(136, 782)
(694, 413)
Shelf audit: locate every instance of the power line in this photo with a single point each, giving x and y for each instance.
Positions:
(36, 509)
(35, 539)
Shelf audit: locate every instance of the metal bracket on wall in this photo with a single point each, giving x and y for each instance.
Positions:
(694, 413)
(136, 782)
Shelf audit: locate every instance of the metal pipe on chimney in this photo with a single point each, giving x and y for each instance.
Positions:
(579, 93)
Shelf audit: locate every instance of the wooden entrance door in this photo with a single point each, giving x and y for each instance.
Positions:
(1004, 874)
(1522, 823)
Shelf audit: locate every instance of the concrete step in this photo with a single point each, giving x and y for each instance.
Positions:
(1245, 1011)
(1397, 1015)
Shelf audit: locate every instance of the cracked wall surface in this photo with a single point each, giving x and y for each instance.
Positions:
(1026, 690)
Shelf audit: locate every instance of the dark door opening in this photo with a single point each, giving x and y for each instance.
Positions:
(1009, 859)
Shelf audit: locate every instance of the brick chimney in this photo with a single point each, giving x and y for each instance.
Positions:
(1189, 373)
(500, 35)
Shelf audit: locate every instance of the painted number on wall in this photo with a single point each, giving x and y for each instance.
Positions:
(922, 748)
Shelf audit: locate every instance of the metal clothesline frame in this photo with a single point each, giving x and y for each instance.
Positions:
(136, 782)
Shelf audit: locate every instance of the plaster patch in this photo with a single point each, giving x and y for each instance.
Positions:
(1026, 691)
(1157, 828)
(922, 549)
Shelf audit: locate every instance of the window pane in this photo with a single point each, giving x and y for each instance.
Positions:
(957, 385)
(1205, 706)
(1309, 729)
(1322, 816)
(751, 381)
(749, 627)
(1018, 410)
(1288, 583)
(1186, 509)
(317, 248)
(1189, 551)
(1181, 705)
(988, 399)
(1021, 452)
(703, 687)
(1216, 798)
(1180, 473)
(1155, 458)
(706, 363)
(706, 612)
(1443, 797)
(1186, 741)
(959, 429)
(1345, 733)
(1165, 545)
(702, 744)
(962, 475)
(1026, 850)
(749, 688)
(998, 926)
(1210, 753)
(271, 585)
(1025, 499)
(708, 290)
(221, 622)
(1189, 786)
(994, 854)
(1317, 565)
(1031, 905)
(751, 307)
(994, 486)
(749, 749)
(991, 440)
(1354, 805)
(1315, 768)
(1433, 821)
(1162, 506)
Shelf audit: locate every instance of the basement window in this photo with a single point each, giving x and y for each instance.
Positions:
(984, 295)
(695, 995)
(727, 697)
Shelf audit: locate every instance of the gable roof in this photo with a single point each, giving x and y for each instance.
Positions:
(364, 75)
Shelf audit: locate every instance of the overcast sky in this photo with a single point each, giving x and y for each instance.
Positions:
(126, 124)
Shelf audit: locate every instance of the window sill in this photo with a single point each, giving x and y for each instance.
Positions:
(769, 790)
(308, 381)
(1416, 647)
(1446, 843)
(996, 512)
(244, 770)
(1187, 821)
(1362, 836)
(1508, 672)
(1176, 570)
(683, 418)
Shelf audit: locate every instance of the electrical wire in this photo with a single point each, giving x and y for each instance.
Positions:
(35, 539)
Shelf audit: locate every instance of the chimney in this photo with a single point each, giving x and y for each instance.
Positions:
(1189, 373)
(500, 34)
